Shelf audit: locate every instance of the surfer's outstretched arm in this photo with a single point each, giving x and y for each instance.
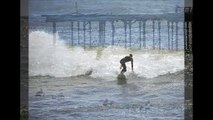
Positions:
(132, 64)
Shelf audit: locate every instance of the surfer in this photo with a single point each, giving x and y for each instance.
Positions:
(124, 60)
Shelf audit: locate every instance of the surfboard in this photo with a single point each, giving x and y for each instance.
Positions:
(121, 79)
(121, 76)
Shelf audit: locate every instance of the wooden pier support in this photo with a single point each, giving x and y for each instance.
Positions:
(130, 33)
(84, 29)
(140, 33)
(99, 34)
(104, 33)
(54, 33)
(102, 25)
(113, 32)
(159, 28)
(72, 33)
(90, 33)
(78, 23)
(176, 43)
(153, 28)
(144, 33)
(125, 27)
(168, 24)
(172, 27)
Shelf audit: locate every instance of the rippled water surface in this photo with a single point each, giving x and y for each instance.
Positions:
(87, 98)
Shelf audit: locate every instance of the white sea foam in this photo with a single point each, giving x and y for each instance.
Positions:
(62, 61)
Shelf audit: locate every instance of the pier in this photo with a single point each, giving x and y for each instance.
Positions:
(85, 23)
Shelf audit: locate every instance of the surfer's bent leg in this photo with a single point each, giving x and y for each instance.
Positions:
(124, 68)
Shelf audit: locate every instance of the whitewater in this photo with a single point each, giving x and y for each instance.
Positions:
(60, 60)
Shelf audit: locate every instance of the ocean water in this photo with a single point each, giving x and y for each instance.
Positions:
(88, 98)
(154, 91)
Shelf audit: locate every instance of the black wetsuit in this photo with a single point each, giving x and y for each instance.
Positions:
(123, 61)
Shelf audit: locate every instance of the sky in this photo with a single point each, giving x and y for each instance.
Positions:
(39, 7)
(116, 6)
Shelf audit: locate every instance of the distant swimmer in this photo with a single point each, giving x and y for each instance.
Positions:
(40, 93)
(124, 60)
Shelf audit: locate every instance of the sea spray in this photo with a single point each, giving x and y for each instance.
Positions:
(62, 61)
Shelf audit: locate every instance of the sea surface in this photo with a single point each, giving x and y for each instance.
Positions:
(154, 90)
(88, 98)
